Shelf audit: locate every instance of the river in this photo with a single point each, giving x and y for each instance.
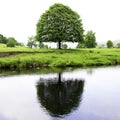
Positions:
(79, 94)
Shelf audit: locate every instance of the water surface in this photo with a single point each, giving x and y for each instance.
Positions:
(81, 94)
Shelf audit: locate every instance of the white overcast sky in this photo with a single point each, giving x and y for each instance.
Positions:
(18, 18)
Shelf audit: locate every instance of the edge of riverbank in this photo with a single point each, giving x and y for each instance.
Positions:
(59, 58)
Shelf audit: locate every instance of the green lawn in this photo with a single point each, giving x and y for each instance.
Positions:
(36, 58)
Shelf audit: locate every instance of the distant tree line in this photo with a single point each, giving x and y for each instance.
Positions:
(10, 41)
(109, 44)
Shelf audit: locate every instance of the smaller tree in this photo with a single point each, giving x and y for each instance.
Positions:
(13, 39)
(64, 46)
(41, 45)
(11, 43)
(90, 40)
(109, 44)
(31, 42)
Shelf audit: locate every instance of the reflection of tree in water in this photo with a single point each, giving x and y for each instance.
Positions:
(59, 97)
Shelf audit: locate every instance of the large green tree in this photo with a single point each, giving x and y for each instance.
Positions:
(90, 39)
(59, 24)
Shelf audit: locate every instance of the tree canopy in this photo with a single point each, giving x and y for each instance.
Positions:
(59, 24)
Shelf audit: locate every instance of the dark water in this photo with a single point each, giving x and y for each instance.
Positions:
(81, 94)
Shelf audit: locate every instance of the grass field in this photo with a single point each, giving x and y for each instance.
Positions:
(36, 58)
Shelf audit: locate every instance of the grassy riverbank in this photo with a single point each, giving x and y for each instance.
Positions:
(36, 58)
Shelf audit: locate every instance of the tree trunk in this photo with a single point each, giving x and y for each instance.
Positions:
(59, 44)
(59, 78)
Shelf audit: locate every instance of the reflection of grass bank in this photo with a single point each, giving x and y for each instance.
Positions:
(42, 70)
(36, 58)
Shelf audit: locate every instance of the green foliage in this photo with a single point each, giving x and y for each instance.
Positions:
(41, 45)
(109, 44)
(59, 24)
(90, 39)
(31, 42)
(3, 39)
(13, 39)
(64, 46)
(11, 42)
(81, 45)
